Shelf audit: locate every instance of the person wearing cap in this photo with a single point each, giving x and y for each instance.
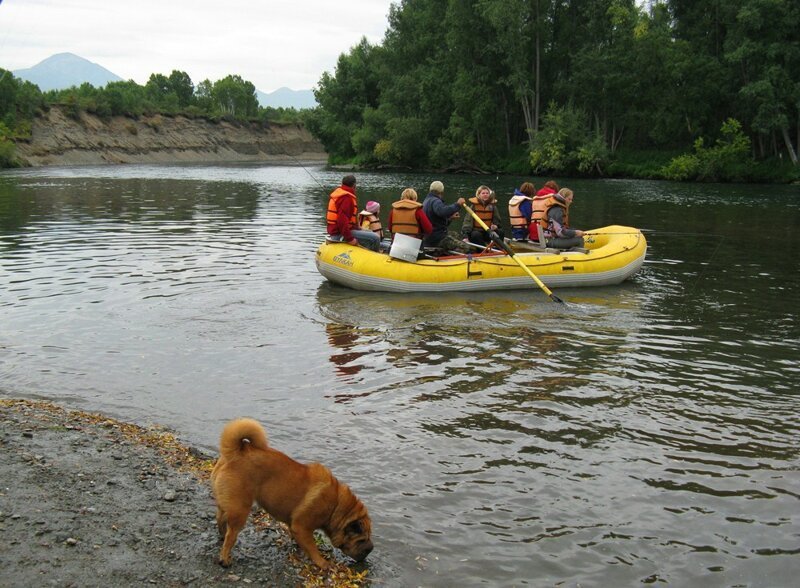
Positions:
(369, 219)
(440, 215)
(407, 218)
(342, 220)
(484, 204)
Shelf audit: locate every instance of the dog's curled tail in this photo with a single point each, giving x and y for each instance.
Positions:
(237, 432)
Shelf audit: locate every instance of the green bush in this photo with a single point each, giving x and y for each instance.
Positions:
(728, 160)
(566, 144)
(7, 158)
(682, 168)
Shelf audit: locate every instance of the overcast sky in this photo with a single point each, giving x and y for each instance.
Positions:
(271, 43)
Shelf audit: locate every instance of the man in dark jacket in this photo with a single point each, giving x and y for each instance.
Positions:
(440, 215)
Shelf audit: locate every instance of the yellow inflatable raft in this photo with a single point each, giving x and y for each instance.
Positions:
(612, 254)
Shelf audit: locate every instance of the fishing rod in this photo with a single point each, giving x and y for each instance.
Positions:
(657, 232)
(313, 177)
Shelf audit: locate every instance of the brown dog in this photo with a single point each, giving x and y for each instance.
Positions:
(305, 497)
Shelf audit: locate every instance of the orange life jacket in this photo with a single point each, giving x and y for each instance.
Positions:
(333, 216)
(539, 205)
(514, 215)
(404, 218)
(370, 222)
(550, 202)
(485, 211)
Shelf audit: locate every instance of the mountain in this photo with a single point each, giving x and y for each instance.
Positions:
(287, 98)
(64, 70)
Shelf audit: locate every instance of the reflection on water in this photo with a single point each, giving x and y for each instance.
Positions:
(646, 433)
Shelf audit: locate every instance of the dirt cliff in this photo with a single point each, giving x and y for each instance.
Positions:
(58, 139)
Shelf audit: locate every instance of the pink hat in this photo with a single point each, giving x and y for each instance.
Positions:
(373, 207)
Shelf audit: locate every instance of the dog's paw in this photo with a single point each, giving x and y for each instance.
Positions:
(225, 563)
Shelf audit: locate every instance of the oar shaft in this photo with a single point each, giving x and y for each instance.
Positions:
(502, 244)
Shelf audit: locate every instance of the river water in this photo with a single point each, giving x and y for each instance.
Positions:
(647, 433)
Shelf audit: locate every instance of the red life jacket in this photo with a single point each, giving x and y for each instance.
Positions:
(545, 191)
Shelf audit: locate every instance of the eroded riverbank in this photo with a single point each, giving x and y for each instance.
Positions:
(60, 139)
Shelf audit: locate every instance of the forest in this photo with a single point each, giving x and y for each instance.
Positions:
(677, 89)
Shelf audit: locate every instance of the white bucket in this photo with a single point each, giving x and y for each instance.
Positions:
(405, 247)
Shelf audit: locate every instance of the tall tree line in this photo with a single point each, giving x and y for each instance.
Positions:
(566, 85)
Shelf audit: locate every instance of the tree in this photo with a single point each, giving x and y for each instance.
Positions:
(181, 85)
(519, 27)
(764, 43)
(343, 99)
(125, 98)
(235, 97)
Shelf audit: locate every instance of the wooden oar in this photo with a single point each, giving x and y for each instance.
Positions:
(504, 246)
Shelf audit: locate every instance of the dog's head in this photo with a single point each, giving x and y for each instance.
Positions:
(351, 527)
(356, 539)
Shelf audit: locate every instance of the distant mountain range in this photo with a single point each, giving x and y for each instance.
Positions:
(286, 98)
(65, 70)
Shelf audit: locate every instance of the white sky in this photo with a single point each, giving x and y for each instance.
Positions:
(271, 43)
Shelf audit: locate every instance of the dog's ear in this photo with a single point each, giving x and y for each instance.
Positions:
(354, 528)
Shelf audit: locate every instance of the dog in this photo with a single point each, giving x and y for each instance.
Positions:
(303, 496)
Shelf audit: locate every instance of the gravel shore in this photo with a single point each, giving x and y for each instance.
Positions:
(90, 501)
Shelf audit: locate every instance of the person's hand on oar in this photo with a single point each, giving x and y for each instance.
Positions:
(504, 246)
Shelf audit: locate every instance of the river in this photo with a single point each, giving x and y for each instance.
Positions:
(646, 433)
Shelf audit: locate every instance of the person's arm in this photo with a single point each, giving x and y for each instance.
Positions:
(557, 217)
(344, 211)
(497, 218)
(467, 225)
(526, 210)
(424, 222)
(389, 223)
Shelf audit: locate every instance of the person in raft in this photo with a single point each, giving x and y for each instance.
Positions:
(538, 208)
(341, 217)
(440, 215)
(484, 204)
(556, 227)
(369, 218)
(519, 211)
(407, 217)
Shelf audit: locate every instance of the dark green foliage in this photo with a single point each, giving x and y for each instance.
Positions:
(463, 84)
(19, 103)
(728, 160)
